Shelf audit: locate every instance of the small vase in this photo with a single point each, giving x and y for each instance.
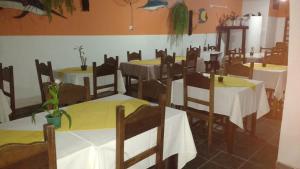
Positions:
(220, 79)
(83, 67)
(55, 121)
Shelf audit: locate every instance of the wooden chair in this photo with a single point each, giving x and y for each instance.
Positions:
(161, 53)
(176, 71)
(193, 51)
(196, 50)
(191, 60)
(240, 70)
(275, 57)
(140, 121)
(37, 155)
(263, 49)
(73, 94)
(104, 70)
(165, 65)
(211, 47)
(234, 58)
(7, 76)
(134, 56)
(194, 79)
(152, 89)
(44, 69)
(212, 66)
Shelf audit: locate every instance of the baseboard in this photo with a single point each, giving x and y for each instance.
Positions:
(279, 165)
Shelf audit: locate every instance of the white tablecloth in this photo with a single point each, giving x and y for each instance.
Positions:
(5, 109)
(95, 149)
(77, 78)
(206, 55)
(273, 79)
(255, 58)
(235, 102)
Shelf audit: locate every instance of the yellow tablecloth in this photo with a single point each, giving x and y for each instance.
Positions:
(258, 66)
(98, 114)
(61, 72)
(229, 81)
(13, 136)
(154, 61)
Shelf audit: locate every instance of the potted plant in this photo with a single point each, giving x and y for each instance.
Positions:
(58, 5)
(54, 116)
(179, 20)
(82, 58)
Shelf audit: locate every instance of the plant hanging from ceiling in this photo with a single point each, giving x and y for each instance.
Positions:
(58, 5)
(179, 21)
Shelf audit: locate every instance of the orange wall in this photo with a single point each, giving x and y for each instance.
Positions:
(283, 10)
(111, 17)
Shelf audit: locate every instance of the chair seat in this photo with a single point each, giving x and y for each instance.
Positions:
(105, 94)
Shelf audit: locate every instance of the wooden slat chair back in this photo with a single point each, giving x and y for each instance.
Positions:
(277, 58)
(212, 66)
(140, 121)
(191, 60)
(44, 69)
(240, 70)
(209, 47)
(197, 80)
(196, 50)
(166, 63)
(37, 155)
(7, 76)
(193, 51)
(134, 56)
(176, 71)
(111, 60)
(152, 89)
(161, 53)
(104, 70)
(73, 94)
(234, 58)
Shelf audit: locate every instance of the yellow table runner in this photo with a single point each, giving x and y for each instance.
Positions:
(154, 61)
(98, 114)
(258, 66)
(25, 137)
(229, 81)
(61, 72)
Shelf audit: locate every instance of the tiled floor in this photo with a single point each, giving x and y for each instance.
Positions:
(249, 152)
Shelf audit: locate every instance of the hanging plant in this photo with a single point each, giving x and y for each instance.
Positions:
(58, 5)
(179, 21)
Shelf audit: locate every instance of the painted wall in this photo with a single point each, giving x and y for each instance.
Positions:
(289, 147)
(282, 11)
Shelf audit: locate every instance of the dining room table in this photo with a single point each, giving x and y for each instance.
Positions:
(75, 75)
(90, 143)
(274, 77)
(5, 109)
(149, 69)
(256, 57)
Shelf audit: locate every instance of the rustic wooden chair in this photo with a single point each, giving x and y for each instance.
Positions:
(275, 57)
(143, 119)
(37, 155)
(212, 66)
(165, 65)
(45, 70)
(130, 57)
(176, 71)
(240, 70)
(152, 89)
(211, 47)
(193, 51)
(7, 76)
(194, 79)
(234, 58)
(104, 70)
(264, 49)
(196, 50)
(161, 53)
(191, 60)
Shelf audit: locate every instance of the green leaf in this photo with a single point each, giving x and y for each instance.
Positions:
(68, 116)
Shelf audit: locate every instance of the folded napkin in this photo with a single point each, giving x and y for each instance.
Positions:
(229, 81)
(25, 137)
(98, 114)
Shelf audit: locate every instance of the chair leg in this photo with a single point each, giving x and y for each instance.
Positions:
(209, 139)
(253, 124)
(230, 135)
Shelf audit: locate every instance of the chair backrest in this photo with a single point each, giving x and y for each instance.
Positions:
(198, 80)
(196, 50)
(140, 121)
(134, 56)
(191, 60)
(212, 66)
(7, 76)
(111, 60)
(274, 57)
(73, 94)
(37, 155)
(211, 47)
(232, 51)
(44, 69)
(234, 58)
(104, 70)
(152, 89)
(239, 70)
(176, 71)
(165, 65)
(161, 53)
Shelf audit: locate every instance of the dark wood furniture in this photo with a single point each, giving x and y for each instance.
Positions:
(240, 70)
(212, 66)
(161, 53)
(209, 47)
(38, 155)
(234, 58)
(176, 71)
(45, 70)
(227, 30)
(165, 65)
(191, 60)
(134, 56)
(193, 51)
(7, 76)
(143, 119)
(151, 90)
(196, 50)
(107, 68)
(275, 57)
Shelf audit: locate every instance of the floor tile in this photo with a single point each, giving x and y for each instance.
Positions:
(227, 160)
(195, 163)
(211, 165)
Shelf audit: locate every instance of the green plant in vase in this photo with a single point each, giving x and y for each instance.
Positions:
(52, 107)
(179, 21)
